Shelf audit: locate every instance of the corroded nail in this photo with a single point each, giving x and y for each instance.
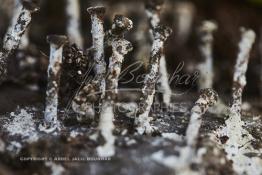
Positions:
(148, 91)
(240, 69)
(121, 24)
(97, 31)
(205, 32)
(99, 11)
(57, 40)
(13, 37)
(161, 32)
(207, 98)
(120, 47)
(73, 24)
(53, 79)
(153, 8)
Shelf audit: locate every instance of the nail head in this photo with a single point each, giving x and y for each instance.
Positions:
(58, 40)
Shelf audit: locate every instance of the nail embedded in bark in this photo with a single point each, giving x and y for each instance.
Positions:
(160, 34)
(239, 77)
(153, 8)
(53, 81)
(120, 47)
(73, 24)
(206, 70)
(208, 98)
(234, 122)
(239, 140)
(97, 14)
(13, 37)
(83, 102)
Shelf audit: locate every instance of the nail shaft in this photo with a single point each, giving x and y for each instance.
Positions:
(73, 24)
(14, 34)
(206, 70)
(13, 38)
(53, 78)
(97, 14)
(239, 77)
(120, 47)
(239, 140)
(83, 102)
(208, 98)
(153, 9)
(148, 91)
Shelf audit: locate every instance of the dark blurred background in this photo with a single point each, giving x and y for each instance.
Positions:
(230, 15)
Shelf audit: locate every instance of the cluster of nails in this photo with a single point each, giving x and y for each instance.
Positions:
(103, 89)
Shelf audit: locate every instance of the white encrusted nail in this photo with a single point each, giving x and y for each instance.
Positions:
(206, 70)
(13, 38)
(97, 14)
(208, 98)
(239, 77)
(153, 8)
(120, 26)
(73, 24)
(120, 47)
(53, 79)
(161, 33)
(14, 34)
